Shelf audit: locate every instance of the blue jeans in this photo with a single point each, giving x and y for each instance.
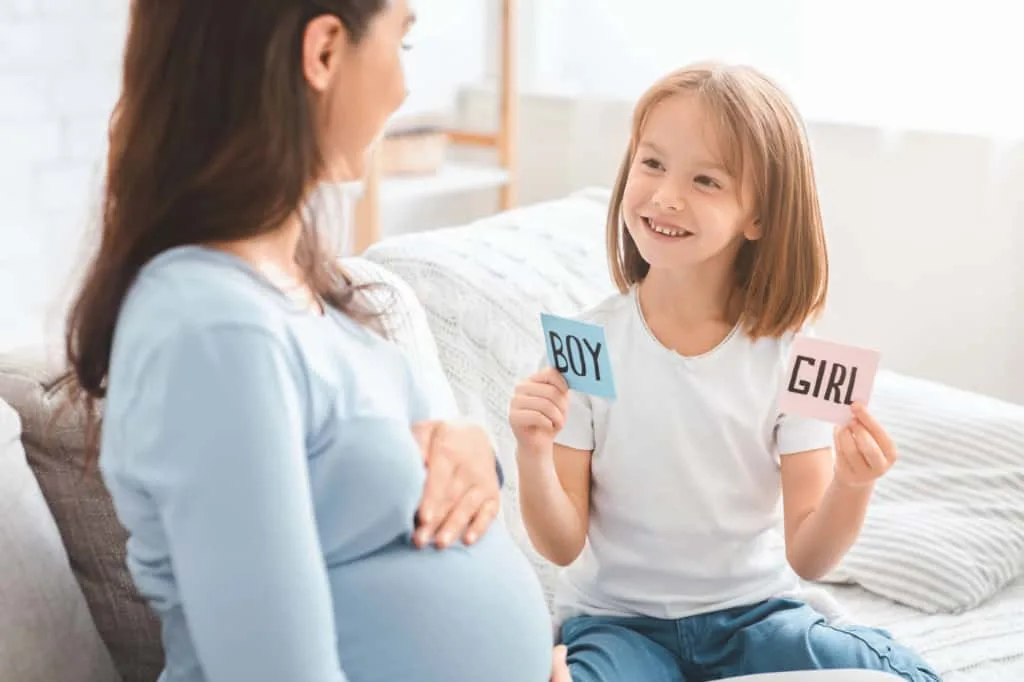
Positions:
(773, 636)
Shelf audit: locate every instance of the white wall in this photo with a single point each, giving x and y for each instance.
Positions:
(926, 232)
(942, 216)
(58, 82)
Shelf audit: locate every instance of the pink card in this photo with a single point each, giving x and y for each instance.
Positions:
(824, 378)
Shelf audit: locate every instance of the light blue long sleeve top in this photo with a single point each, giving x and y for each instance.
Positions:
(261, 459)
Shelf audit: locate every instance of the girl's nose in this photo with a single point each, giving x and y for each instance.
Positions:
(666, 199)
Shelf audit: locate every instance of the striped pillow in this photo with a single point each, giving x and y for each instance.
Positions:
(945, 530)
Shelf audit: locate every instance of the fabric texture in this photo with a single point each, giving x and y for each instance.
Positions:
(93, 538)
(46, 631)
(80, 504)
(261, 455)
(945, 529)
(690, 452)
(405, 323)
(979, 645)
(483, 287)
(773, 636)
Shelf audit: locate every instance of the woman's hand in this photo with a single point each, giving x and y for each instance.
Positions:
(864, 451)
(462, 495)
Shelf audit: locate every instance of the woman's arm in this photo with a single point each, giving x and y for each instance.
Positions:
(217, 437)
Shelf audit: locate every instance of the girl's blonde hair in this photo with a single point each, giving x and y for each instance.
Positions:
(782, 278)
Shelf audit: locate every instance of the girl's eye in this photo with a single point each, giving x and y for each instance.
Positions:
(653, 164)
(707, 181)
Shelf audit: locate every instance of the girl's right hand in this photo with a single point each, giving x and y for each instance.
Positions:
(559, 667)
(538, 410)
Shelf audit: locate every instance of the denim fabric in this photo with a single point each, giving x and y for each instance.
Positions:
(773, 636)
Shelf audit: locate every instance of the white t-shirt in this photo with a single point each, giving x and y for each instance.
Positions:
(685, 511)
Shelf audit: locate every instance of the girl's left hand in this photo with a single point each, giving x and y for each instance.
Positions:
(864, 451)
(462, 495)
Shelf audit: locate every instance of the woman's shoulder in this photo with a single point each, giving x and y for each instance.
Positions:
(188, 296)
(190, 288)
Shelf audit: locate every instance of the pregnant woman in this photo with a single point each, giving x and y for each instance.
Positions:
(298, 509)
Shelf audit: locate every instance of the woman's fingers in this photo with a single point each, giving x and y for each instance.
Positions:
(485, 515)
(441, 491)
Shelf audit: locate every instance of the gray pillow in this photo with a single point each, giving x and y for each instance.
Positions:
(945, 528)
(46, 631)
(93, 537)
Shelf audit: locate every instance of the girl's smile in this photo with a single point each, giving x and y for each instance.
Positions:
(666, 229)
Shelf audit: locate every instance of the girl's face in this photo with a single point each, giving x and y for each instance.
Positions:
(680, 205)
(357, 86)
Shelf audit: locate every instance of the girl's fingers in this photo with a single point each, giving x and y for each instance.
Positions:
(878, 433)
(868, 448)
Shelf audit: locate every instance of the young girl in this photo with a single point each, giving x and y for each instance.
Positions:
(688, 509)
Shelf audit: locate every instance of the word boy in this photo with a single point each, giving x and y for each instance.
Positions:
(578, 350)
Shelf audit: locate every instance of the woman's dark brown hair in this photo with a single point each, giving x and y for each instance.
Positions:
(213, 139)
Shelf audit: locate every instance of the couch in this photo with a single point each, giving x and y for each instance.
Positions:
(940, 562)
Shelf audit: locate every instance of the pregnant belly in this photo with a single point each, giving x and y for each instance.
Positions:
(462, 614)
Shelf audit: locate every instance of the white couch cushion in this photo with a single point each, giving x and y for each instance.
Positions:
(945, 529)
(406, 324)
(46, 632)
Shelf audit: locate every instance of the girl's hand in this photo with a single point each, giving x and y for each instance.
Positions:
(461, 496)
(559, 668)
(538, 409)
(864, 451)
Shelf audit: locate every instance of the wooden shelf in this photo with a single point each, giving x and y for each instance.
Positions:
(455, 177)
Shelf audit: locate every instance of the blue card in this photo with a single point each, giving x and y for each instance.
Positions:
(578, 350)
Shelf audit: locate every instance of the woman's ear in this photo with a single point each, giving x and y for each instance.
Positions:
(322, 50)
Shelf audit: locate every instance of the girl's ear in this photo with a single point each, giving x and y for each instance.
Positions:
(753, 232)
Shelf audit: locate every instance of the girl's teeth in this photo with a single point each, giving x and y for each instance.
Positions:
(669, 232)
